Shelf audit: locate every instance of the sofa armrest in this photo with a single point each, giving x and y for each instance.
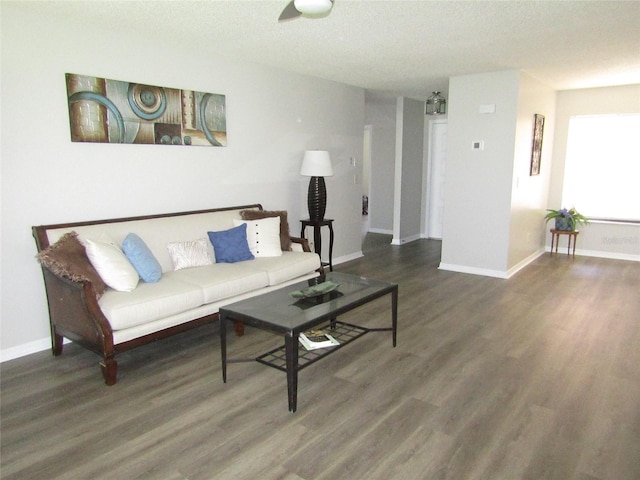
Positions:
(74, 313)
(299, 244)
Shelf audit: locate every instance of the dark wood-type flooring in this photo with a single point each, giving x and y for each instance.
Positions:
(536, 377)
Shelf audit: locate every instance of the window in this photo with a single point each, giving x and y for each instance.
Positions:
(602, 171)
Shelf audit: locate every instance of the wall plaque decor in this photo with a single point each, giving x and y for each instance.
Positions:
(112, 111)
(536, 149)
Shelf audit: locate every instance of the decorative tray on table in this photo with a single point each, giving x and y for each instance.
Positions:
(316, 290)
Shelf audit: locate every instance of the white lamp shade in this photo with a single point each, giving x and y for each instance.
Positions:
(313, 7)
(316, 163)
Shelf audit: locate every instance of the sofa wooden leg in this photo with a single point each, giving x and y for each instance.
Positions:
(56, 344)
(109, 370)
(238, 326)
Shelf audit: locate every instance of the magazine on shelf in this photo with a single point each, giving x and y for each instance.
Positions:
(314, 339)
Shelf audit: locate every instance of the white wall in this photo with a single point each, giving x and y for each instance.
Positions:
(597, 239)
(494, 210)
(433, 176)
(380, 113)
(409, 162)
(530, 193)
(477, 205)
(272, 117)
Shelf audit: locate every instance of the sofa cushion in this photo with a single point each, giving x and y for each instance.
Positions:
(230, 246)
(149, 302)
(224, 280)
(263, 236)
(285, 238)
(67, 258)
(112, 265)
(290, 265)
(141, 258)
(189, 254)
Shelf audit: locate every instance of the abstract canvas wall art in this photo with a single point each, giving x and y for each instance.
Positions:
(536, 148)
(113, 111)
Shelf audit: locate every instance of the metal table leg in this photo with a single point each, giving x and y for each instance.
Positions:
(291, 352)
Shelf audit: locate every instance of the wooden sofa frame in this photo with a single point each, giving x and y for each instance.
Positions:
(74, 311)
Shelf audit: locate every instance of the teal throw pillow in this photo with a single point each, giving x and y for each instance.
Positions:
(231, 246)
(141, 258)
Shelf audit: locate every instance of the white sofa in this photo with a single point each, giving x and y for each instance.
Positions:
(116, 321)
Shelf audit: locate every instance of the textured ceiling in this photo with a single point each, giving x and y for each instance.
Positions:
(401, 47)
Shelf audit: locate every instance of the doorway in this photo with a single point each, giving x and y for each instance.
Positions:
(436, 160)
(366, 180)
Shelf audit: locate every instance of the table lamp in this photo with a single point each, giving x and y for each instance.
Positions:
(317, 165)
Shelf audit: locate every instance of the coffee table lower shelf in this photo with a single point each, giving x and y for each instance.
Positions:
(344, 333)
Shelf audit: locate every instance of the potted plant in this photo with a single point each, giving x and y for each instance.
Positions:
(566, 220)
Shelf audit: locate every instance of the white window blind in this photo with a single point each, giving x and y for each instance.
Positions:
(602, 170)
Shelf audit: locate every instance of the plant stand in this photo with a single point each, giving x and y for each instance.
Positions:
(555, 239)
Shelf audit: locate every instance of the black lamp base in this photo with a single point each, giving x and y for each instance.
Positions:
(317, 198)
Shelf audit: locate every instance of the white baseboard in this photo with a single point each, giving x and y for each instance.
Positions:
(513, 270)
(348, 258)
(472, 270)
(424, 235)
(402, 241)
(599, 254)
(381, 231)
(516, 268)
(26, 349)
(493, 273)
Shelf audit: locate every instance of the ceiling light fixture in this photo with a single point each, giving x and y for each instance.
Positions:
(436, 104)
(313, 7)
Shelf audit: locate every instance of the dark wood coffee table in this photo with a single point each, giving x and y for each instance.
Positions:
(278, 312)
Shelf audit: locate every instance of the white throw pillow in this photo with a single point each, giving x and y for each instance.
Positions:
(111, 264)
(263, 236)
(189, 254)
